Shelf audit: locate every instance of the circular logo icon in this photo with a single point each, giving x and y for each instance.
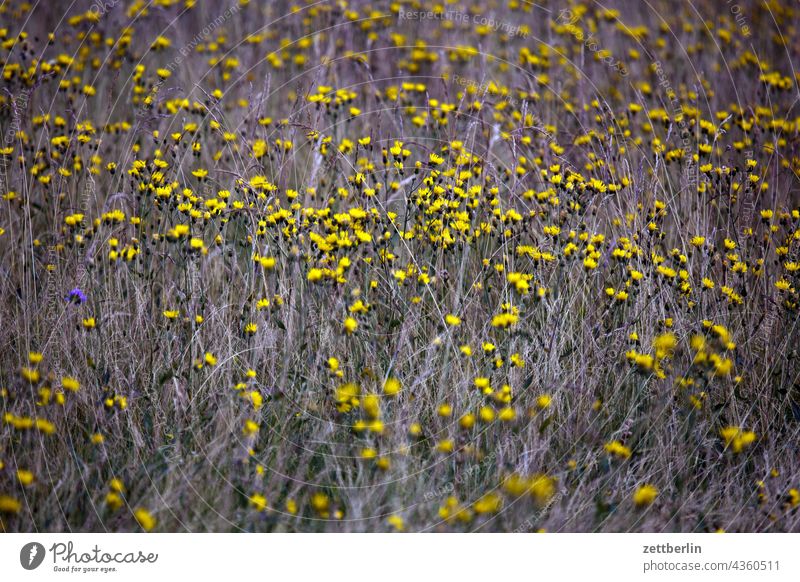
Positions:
(31, 555)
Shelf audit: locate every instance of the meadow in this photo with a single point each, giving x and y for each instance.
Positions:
(351, 265)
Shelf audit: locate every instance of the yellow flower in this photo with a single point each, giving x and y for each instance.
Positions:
(25, 477)
(617, 449)
(321, 504)
(391, 387)
(372, 406)
(368, 453)
(145, 519)
(267, 263)
(347, 396)
(664, 345)
(507, 414)
(315, 275)
(350, 325)
(45, 426)
(504, 320)
(453, 320)
(542, 488)
(9, 504)
(396, 522)
(445, 446)
(644, 495)
(467, 421)
(258, 501)
(70, 384)
(737, 439)
(114, 500)
(482, 383)
(31, 375)
(489, 503)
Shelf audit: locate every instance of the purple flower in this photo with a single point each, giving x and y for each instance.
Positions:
(76, 296)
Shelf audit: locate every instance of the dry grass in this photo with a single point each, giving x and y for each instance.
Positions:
(568, 200)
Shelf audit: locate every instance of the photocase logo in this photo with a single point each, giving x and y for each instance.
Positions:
(31, 555)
